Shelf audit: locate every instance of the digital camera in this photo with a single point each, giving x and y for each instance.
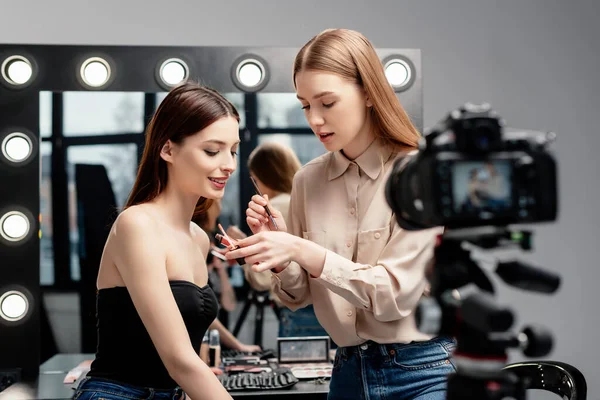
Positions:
(469, 171)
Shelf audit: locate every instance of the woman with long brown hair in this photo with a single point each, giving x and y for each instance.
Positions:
(153, 301)
(345, 253)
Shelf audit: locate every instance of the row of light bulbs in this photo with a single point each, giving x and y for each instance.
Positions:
(16, 149)
(96, 72)
(15, 226)
(249, 73)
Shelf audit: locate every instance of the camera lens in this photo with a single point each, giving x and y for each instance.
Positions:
(483, 142)
(484, 133)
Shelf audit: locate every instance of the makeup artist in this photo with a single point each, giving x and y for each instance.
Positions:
(345, 252)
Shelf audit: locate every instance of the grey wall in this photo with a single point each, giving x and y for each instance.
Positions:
(535, 61)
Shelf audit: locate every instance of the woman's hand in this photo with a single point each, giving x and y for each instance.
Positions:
(216, 370)
(258, 219)
(249, 348)
(267, 250)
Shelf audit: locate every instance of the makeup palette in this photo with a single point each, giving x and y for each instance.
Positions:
(306, 357)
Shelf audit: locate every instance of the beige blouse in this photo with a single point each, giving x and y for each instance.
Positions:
(374, 272)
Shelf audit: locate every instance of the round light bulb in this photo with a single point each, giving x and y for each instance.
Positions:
(250, 74)
(14, 226)
(173, 72)
(16, 147)
(19, 72)
(397, 73)
(13, 306)
(95, 72)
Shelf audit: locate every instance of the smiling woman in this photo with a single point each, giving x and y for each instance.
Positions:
(176, 146)
(203, 163)
(153, 279)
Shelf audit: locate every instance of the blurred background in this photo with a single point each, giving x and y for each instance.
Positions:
(535, 61)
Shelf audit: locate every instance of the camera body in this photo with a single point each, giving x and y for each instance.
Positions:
(470, 172)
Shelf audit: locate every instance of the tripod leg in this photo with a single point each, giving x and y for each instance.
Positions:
(242, 317)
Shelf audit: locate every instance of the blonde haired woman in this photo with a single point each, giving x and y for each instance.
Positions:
(345, 252)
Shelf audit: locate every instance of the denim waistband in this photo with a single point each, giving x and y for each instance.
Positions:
(373, 349)
(103, 384)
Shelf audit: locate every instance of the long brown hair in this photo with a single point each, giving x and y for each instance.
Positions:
(274, 165)
(349, 54)
(186, 110)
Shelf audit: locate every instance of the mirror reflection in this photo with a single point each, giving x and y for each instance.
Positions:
(91, 146)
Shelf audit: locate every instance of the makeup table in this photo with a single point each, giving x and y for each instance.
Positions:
(49, 384)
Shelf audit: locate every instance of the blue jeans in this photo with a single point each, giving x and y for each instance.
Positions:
(95, 388)
(413, 371)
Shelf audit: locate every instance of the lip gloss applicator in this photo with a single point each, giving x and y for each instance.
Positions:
(225, 240)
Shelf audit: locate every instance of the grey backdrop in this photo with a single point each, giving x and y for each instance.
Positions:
(535, 61)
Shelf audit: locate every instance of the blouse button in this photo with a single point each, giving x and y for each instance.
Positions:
(348, 244)
(377, 235)
(352, 211)
(349, 313)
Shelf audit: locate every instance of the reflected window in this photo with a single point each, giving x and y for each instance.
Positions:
(120, 161)
(101, 113)
(280, 110)
(306, 146)
(46, 245)
(230, 204)
(237, 99)
(45, 114)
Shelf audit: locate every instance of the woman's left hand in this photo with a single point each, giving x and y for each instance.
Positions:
(266, 250)
(249, 348)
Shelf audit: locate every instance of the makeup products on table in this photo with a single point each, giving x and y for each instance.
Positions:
(307, 357)
(214, 348)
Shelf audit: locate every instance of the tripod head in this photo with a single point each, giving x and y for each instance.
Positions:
(464, 294)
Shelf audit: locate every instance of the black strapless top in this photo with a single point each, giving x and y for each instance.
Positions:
(125, 351)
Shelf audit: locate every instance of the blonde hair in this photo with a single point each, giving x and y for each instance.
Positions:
(349, 54)
(274, 165)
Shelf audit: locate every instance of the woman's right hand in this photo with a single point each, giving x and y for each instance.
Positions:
(258, 219)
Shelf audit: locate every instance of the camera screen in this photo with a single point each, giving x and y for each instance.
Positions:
(302, 350)
(482, 186)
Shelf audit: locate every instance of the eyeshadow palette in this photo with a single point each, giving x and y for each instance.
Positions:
(311, 371)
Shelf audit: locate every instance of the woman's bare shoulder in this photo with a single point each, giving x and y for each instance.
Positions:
(201, 237)
(135, 220)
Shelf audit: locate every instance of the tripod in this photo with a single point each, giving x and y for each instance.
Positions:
(480, 326)
(259, 300)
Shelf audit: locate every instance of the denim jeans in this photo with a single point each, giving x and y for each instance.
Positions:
(413, 371)
(105, 389)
